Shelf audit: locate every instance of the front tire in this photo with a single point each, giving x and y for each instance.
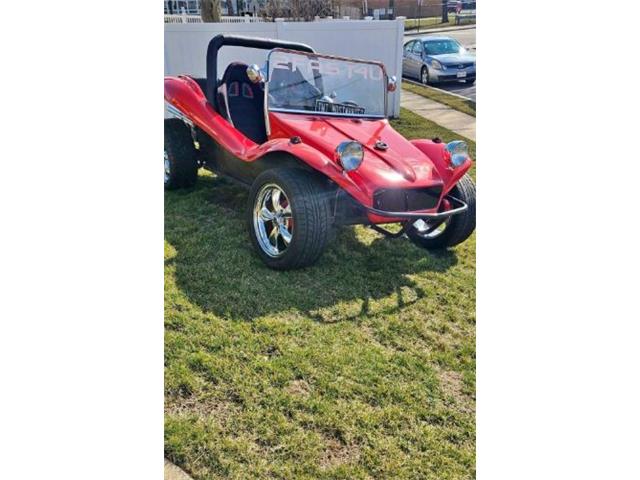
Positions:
(180, 155)
(289, 218)
(424, 76)
(457, 228)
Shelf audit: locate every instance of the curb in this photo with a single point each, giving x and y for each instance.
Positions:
(427, 31)
(439, 90)
(172, 472)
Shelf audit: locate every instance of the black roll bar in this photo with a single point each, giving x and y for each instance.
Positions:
(219, 41)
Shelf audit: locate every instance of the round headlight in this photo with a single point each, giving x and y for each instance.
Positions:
(458, 151)
(350, 155)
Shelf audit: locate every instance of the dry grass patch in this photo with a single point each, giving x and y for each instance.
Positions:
(298, 388)
(337, 454)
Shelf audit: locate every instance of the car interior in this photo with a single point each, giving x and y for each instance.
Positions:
(241, 101)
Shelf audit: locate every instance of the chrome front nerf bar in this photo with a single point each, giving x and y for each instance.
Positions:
(430, 216)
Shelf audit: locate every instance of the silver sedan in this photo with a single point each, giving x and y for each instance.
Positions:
(438, 59)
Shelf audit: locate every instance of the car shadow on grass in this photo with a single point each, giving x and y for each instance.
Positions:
(215, 267)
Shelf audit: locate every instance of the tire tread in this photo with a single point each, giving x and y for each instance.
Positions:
(182, 154)
(312, 215)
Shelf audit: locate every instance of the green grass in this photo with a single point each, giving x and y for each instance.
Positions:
(457, 103)
(362, 366)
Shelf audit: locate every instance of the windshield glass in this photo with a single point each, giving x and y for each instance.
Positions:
(300, 81)
(442, 47)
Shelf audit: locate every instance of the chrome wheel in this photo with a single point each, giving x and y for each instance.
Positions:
(426, 230)
(273, 220)
(424, 76)
(167, 167)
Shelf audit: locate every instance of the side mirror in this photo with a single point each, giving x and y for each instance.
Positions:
(392, 83)
(255, 74)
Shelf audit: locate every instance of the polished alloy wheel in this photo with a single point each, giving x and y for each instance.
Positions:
(167, 167)
(273, 220)
(425, 230)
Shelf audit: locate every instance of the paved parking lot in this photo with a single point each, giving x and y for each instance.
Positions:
(467, 38)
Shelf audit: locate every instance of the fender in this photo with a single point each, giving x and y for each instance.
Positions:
(318, 161)
(440, 158)
(185, 94)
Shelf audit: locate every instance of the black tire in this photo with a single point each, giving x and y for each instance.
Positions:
(424, 76)
(310, 204)
(459, 227)
(180, 155)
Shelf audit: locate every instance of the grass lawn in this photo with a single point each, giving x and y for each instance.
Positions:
(360, 367)
(457, 103)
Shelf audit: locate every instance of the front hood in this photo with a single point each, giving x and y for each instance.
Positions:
(452, 58)
(401, 165)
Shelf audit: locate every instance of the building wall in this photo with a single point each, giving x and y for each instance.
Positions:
(408, 8)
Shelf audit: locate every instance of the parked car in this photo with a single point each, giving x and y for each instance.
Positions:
(308, 135)
(438, 59)
(452, 5)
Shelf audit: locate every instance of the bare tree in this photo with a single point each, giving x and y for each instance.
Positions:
(301, 10)
(210, 10)
(307, 10)
(230, 10)
(274, 9)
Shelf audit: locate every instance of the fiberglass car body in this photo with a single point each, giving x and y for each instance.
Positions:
(309, 135)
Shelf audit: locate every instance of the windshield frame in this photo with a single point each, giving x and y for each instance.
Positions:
(385, 91)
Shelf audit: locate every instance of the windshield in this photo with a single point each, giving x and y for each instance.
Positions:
(442, 47)
(300, 81)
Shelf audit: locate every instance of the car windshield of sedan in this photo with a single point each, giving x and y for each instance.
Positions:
(443, 47)
(308, 82)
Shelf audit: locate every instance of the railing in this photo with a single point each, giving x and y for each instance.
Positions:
(184, 18)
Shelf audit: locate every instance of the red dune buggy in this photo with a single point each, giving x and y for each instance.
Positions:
(308, 134)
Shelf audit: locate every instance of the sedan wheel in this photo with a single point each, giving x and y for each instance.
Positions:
(424, 76)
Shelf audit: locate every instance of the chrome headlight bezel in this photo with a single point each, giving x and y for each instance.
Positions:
(350, 155)
(458, 152)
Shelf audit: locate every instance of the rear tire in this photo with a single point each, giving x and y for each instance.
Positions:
(180, 155)
(304, 228)
(458, 228)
